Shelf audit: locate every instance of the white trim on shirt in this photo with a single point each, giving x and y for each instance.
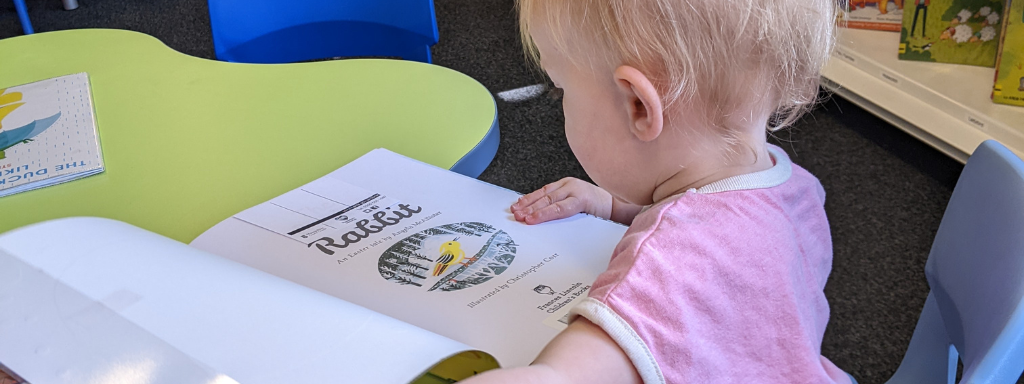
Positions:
(771, 177)
(623, 335)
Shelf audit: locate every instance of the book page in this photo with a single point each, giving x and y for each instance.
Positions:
(95, 300)
(74, 339)
(426, 246)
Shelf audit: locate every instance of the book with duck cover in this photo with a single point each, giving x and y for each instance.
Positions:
(47, 134)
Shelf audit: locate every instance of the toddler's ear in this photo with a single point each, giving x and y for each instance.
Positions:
(642, 103)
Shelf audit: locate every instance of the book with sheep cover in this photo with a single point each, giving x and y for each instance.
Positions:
(1009, 83)
(951, 31)
(387, 270)
(47, 134)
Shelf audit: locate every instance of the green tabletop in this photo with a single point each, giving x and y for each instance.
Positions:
(188, 142)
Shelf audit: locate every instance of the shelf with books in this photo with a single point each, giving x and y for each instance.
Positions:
(945, 105)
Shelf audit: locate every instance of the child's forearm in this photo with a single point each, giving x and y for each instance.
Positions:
(623, 212)
(583, 353)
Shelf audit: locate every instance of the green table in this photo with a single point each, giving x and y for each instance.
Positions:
(188, 142)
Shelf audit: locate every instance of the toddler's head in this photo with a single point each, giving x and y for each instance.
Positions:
(658, 85)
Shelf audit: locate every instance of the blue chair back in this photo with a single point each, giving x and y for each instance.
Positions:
(284, 31)
(976, 274)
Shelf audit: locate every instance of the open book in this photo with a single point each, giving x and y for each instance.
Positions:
(386, 270)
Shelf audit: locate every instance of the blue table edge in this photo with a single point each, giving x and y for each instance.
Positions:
(474, 162)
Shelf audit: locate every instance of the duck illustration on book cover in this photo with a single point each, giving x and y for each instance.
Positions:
(10, 101)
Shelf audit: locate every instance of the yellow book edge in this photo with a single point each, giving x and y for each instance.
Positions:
(458, 367)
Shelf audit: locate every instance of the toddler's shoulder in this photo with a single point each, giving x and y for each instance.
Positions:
(800, 179)
(735, 232)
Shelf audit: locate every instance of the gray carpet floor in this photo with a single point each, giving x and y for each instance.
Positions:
(886, 191)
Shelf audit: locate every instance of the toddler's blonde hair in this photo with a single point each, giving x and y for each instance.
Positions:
(724, 57)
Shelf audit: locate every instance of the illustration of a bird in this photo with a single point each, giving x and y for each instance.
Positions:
(451, 253)
(9, 138)
(25, 133)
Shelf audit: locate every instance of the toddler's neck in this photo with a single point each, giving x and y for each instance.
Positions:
(713, 168)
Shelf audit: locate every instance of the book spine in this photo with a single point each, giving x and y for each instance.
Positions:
(1008, 85)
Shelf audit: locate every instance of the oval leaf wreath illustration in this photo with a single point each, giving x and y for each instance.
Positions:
(449, 257)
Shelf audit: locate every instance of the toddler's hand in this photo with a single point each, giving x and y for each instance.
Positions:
(562, 199)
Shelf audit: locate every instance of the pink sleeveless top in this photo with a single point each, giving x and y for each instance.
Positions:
(724, 283)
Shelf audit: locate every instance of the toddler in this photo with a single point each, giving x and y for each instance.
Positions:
(667, 105)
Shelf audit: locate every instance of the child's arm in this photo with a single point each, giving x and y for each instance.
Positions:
(568, 197)
(582, 353)
(6, 379)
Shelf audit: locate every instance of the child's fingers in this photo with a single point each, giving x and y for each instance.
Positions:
(536, 200)
(545, 200)
(532, 197)
(558, 210)
(528, 199)
(551, 197)
(522, 212)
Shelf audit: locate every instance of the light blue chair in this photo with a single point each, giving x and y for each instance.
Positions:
(975, 270)
(285, 31)
(26, 25)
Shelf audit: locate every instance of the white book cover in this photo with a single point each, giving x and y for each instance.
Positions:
(47, 134)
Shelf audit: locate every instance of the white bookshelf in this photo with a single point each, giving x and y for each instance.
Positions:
(944, 105)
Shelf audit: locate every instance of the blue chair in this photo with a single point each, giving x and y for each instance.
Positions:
(975, 309)
(283, 31)
(26, 25)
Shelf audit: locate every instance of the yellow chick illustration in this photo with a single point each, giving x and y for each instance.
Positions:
(8, 103)
(451, 253)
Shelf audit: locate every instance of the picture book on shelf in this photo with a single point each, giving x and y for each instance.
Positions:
(882, 15)
(386, 270)
(951, 31)
(47, 134)
(1009, 82)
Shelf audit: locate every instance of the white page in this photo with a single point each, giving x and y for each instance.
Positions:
(511, 316)
(322, 207)
(206, 315)
(54, 334)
